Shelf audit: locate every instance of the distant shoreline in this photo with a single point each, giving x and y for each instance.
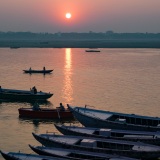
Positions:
(120, 43)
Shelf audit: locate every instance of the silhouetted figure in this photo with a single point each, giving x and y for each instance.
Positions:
(36, 107)
(34, 90)
(0, 88)
(44, 68)
(30, 69)
(62, 107)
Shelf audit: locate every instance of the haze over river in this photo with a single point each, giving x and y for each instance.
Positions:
(122, 80)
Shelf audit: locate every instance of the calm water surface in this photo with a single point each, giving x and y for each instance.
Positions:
(123, 80)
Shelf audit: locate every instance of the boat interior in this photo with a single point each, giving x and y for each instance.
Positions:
(104, 144)
(134, 120)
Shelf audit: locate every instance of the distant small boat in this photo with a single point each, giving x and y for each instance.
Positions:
(92, 50)
(106, 133)
(25, 156)
(38, 71)
(106, 119)
(23, 95)
(75, 154)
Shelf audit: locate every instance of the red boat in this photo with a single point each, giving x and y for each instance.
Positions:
(45, 113)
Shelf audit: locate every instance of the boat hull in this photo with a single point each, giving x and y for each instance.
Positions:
(37, 71)
(23, 156)
(122, 151)
(150, 139)
(22, 95)
(45, 113)
(93, 121)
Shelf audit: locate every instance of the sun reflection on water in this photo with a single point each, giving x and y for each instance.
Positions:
(68, 90)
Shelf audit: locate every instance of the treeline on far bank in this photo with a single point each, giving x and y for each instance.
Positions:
(80, 40)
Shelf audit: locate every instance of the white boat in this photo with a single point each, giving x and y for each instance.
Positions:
(25, 156)
(130, 149)
(74, 154)
(107, 133)
(106, 119)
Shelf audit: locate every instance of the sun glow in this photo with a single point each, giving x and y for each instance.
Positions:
(68, 15)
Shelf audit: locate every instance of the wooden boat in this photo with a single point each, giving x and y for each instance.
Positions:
(108, 146)
(38, 71)
(74, 154)
(92, 50)
(45, 113)
(24, 156)
(146, 137)
(106, 119)
(23, 95)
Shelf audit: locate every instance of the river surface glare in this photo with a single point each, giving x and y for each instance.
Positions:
(122, 80)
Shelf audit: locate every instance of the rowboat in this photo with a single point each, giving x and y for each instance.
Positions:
(23, 95)
(74, 154)
(38, 71)
(146, 137)
(106, 119)
(24, 156)
(45, 113)
(108, 146)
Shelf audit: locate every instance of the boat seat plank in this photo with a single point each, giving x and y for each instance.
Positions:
(64, 140)
(138, 136)
(145, 148)
(96, 114)
(57, 152)
(83, 130)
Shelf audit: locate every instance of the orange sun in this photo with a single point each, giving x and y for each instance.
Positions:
(68, 15)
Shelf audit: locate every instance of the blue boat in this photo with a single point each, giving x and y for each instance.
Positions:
(106, 119)
(107, 133)
(24, 95)
(111, 147)
(25, 156)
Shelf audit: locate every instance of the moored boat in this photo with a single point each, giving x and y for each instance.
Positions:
(45, 113)
(146, 137)
(23, 95)
(25, 156)
(108, 146)
(106, 119)
(74, 154)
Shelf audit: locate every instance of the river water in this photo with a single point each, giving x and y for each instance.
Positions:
(122, 80)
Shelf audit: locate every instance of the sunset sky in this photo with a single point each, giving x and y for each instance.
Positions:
(87, 15)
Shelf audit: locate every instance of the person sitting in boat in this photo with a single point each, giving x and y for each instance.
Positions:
(34, 90)
(36, 107)
(61, 107)
(44, 68)
(30, 69)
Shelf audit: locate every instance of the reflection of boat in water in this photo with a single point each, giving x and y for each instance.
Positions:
(36, 122)
(14, 47)
(23, 95)
(106, 119)
(92, 50)
(25, 156)
(38, 71)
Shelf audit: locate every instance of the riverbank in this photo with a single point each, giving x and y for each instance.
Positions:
(120, 43)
